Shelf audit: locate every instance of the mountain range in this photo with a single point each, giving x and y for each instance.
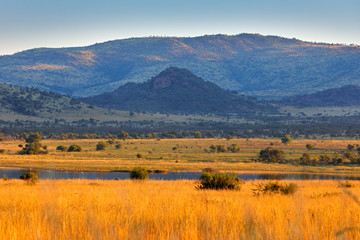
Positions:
(256, 65)
(172, 91)
(344, 96)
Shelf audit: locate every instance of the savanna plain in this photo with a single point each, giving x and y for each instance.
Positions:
(97, 209)
(154, 209)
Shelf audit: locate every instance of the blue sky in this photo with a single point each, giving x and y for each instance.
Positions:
(26, 24)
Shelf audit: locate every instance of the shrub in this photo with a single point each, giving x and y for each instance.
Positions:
(139, 173)
(2, 150)
(5, 177)
(74, 148)
(139, 155)
(274, 188)
(62, 148)
(286, 139)
(325, 158)
(30, 177)
(351, 157)
(271, 154)
(310, 146)
(33, 137)
(305, 159)
(350, 147)
(33, 149)
(348, 184)
(337, 161)
(101, 146)
(197, 135)
(219, 181)
(234, 148)
(118, 146)
(209, 170)
(217, 148)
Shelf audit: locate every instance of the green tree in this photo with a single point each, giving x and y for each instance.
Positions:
(271, 154)
(351, 157)
(228, 137)
(305, 159)
(62, 148)
(234, 148)
(123, 135)
(139, 173)
(74, 148)
(34, 148)
(286, 139)
(350, 147)
(197, 135)
(30, 177)
(33, 137)
(310, 146)
(101, 146)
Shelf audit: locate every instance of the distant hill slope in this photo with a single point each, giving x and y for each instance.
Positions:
(344, 96)
(33, 102)
(177, 90)
(253, 64)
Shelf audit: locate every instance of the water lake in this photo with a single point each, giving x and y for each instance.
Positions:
(49, 174)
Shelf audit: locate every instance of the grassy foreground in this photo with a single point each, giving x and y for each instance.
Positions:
(85, 209)
(175, 155)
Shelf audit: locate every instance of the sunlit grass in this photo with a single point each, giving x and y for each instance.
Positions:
(189, 155)
(95, 209)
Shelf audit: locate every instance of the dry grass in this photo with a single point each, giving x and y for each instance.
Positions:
(84, 209)
(190, 155)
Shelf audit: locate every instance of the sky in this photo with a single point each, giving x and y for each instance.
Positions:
(27, 24)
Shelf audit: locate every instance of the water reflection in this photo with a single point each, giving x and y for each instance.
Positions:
(47, 174)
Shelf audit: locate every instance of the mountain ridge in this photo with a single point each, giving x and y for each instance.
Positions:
(265, 66)
(344, 96)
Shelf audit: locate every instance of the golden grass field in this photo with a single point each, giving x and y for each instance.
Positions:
(190, 155)
(96, 209)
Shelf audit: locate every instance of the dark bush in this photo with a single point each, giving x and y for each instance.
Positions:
(101, 146)
(33, 137)
(286, 139)
(310, 146)
(348, 184)
(33, 149)
(274, 188)
(271, 154)
(139, 173)
(30, 177)
(305, 159)
(2, 150)
(217, 148)
(234, 148)
(118, 146)
(74, 148)
(219, 181)
(210, 170)
(139, 155)
(62, 148)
